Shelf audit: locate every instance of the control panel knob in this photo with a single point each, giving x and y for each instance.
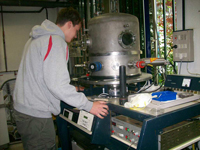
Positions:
(132, 140)
(136, 133)
(121, 135)
(96, 66)
(121, 127)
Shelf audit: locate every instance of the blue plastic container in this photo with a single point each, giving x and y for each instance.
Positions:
(165, 95)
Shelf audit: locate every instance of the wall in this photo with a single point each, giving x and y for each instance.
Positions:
(17, 27)
(192, 21)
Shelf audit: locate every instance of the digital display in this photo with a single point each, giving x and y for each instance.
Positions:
(186, 82)
(113, 123)
(66, 114)
(85, 117)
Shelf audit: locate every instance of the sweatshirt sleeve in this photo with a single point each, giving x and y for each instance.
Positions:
(56, 75)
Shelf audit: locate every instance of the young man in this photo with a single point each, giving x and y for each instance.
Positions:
(43, 81)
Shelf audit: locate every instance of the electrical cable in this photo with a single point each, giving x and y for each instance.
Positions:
(152, 84)
(47, 16)
(146, 88)
(103, 95)
(130, 146)
(173, 67)
(164, 75)
(197, 74)
(193, 147)
(168, 53)
(142, 87)
(175, 46)
(6, 82)
(180, 67)
(154, 90)
(193, 119)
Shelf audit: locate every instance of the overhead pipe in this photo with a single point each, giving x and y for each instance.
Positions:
(36, 3)
(4, 41)
(37, 11)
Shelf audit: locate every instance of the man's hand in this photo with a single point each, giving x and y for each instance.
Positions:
(100, 109)
(79, 88)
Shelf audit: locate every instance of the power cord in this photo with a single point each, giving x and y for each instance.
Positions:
(130, 146)
(180, 67)
(174, 68)
(197, 74)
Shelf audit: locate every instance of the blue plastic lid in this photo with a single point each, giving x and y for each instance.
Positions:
(165, 96)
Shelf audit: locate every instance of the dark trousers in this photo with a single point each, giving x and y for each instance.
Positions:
(36, 133)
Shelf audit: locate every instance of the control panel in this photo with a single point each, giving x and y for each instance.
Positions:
(85, 120)
(126, 129)
(68, 114)
(183, 50)
(79, 118)
(183, 83)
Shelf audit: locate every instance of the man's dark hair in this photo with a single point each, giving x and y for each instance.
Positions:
(68, 14)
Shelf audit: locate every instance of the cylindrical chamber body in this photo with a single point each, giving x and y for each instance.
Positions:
(114, 41)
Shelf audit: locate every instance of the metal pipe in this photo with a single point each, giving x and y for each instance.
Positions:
(183, 13)
(96, 10)
(88, 9)
(37, 11)
(47, 16)
(8, 71)
(85, 11)
(81, 12)
(91, 9)
(164, 22)
(141, 22)
(46, 4)
(100, 7)
(130, 7)
(147, 32)
(155, 61)
(120, 5)
(147, 28)
(173, 12)
(174, 21)
(155, 36)
(4, 41)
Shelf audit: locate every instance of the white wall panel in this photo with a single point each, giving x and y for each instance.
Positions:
(192, 21)
(17, 28)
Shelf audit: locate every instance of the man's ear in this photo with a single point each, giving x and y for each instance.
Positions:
(69, 24)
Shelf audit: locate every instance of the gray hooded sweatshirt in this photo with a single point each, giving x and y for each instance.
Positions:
(43, 78)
